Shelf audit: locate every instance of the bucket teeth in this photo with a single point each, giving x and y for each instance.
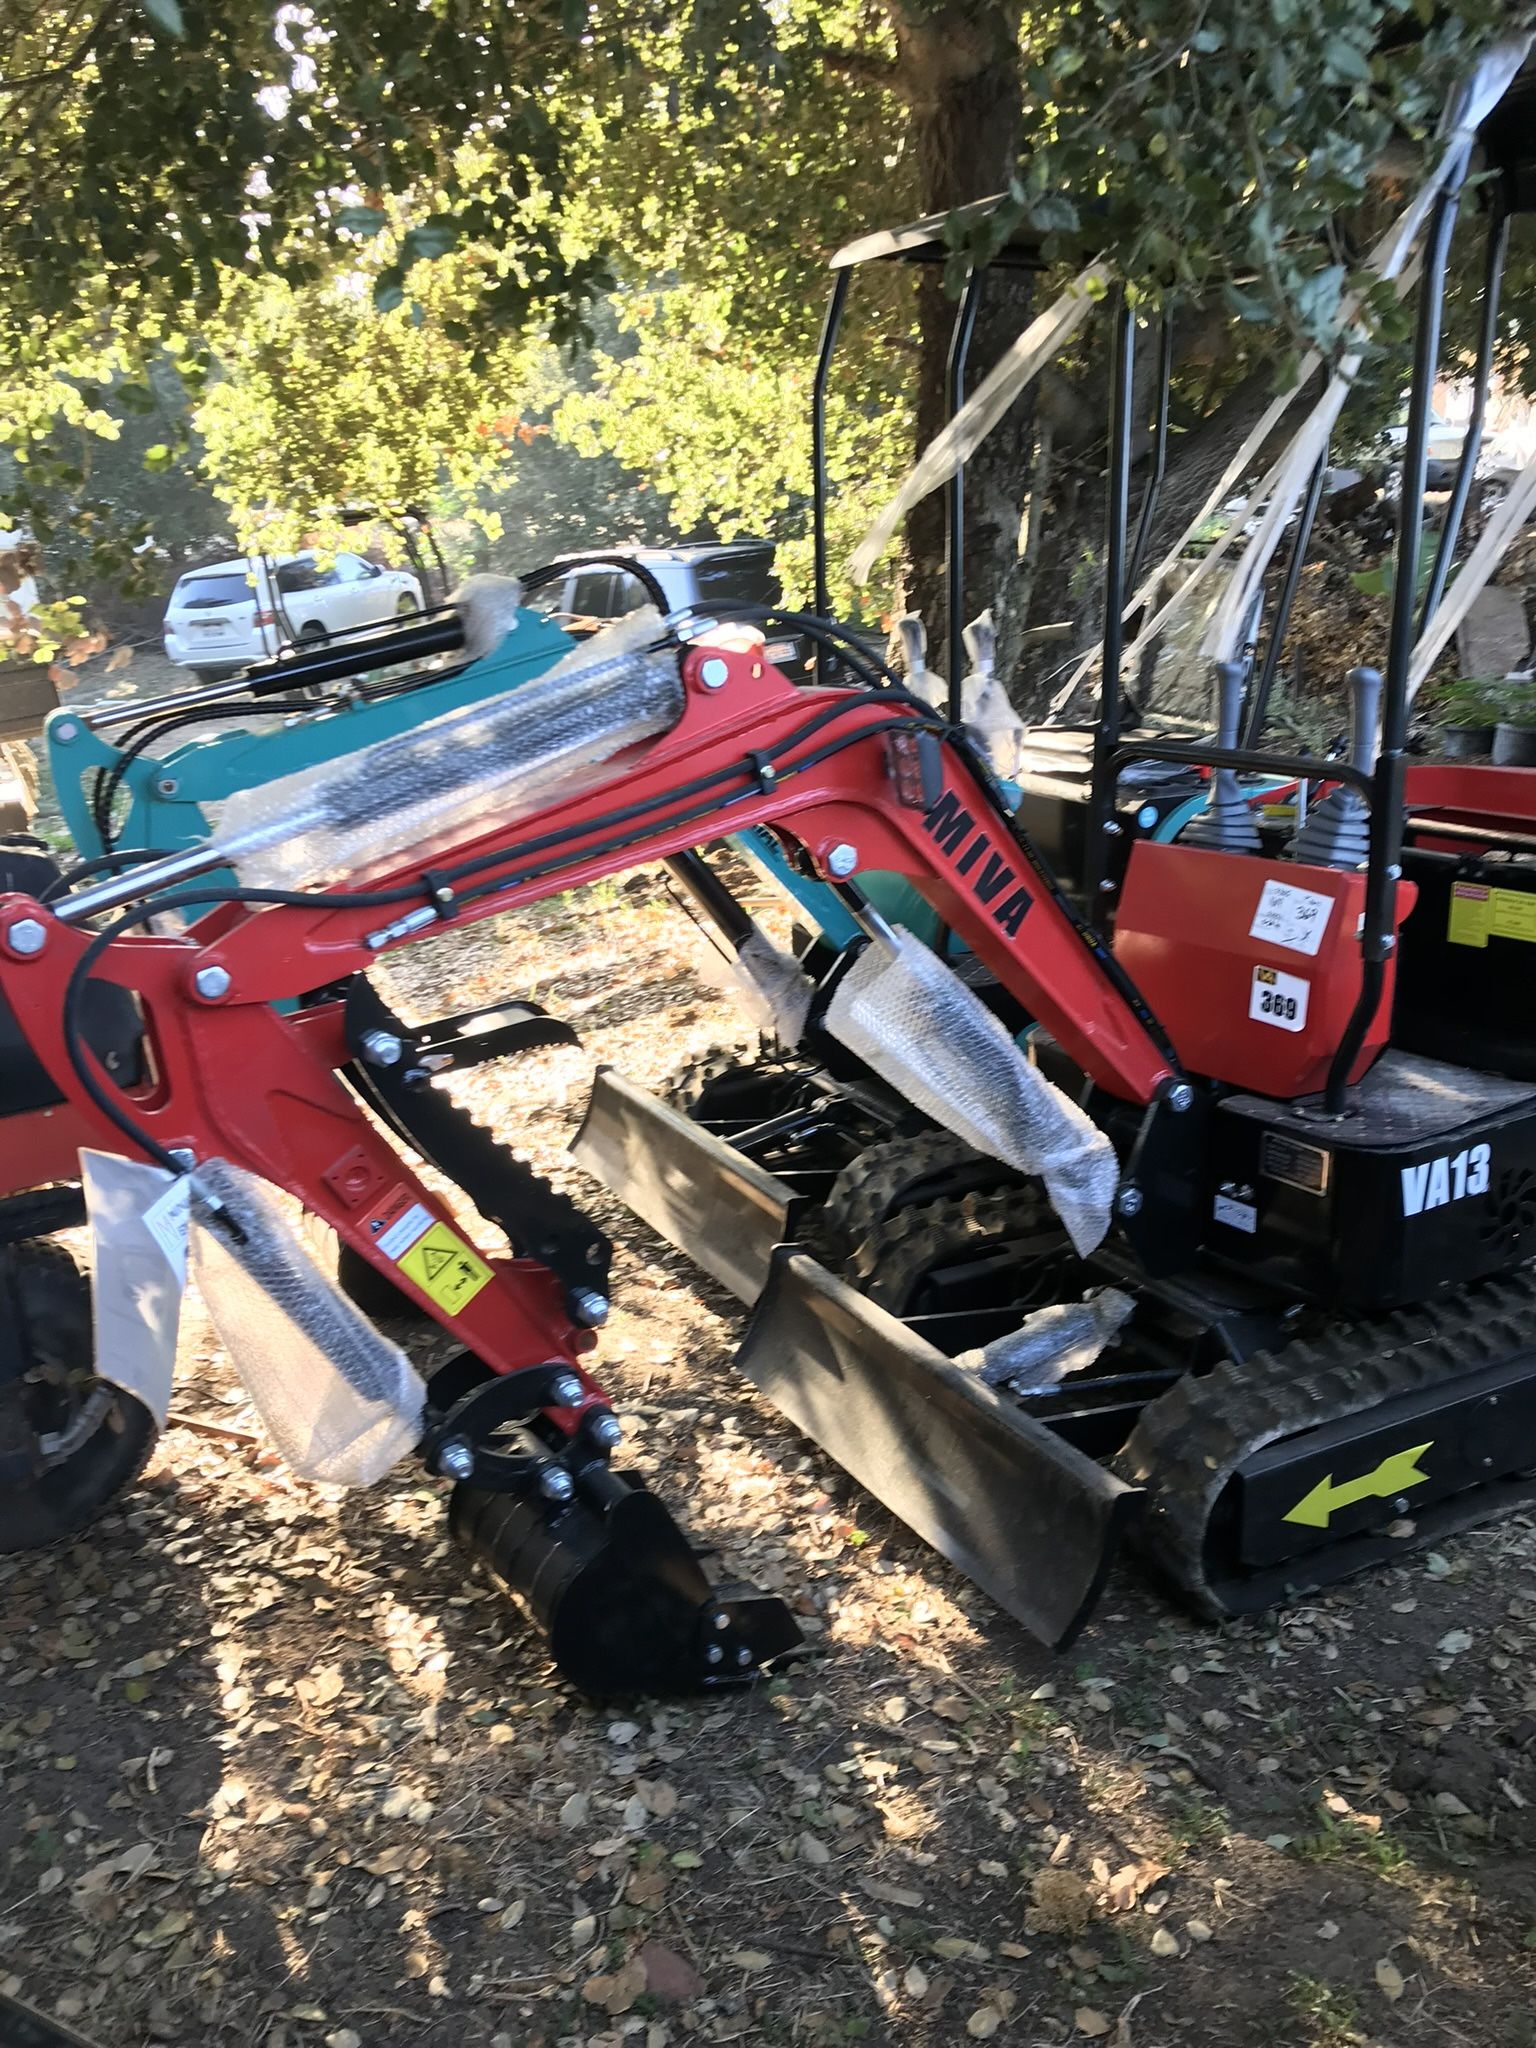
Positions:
(618, 1591)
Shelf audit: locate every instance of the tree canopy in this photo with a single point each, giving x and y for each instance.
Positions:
(356, 231)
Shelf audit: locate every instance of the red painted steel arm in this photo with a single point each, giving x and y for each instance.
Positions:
(960, 854)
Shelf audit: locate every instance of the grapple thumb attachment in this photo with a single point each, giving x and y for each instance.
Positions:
(618, 1591)
(1028, 1517)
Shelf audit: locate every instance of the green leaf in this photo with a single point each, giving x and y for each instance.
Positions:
(389, 289)
(166, 18)
(1346, 61)
(361, 220)
(432, 239)
(158, 457)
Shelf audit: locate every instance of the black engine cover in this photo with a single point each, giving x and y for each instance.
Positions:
(1428, 1181)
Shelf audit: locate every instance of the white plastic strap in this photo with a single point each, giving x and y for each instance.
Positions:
(1044, 337)
(1477, 570)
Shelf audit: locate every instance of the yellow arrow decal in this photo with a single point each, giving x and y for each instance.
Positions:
(1393, 1475)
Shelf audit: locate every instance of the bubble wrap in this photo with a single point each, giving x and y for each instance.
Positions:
(985, 704)
(340, 1403)
(923, 1031)
(464, 772)
(487, 607)
(772, 987)
(1051, 1343)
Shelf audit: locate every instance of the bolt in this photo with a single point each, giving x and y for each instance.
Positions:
(26, 936)
(211, 983)
(714, 673)
(1180, 1097)
(743, 1656)
(1400, 1505)
(456, 1458)
(566, 1391)
(1130, 1201)
(713, 1654)
(1106, 887)
(555, 1483)
(842, 860)
(1394, 873)
(605, 1432)
(1112, 828)
(589, 1306)
(722, 1621)
(66, 730)
(167, 786)
(382, 1048)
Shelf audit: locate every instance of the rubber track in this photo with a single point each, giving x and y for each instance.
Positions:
(686, 1088)
(895, 1256)
(868, 1191)
(1188, 1443)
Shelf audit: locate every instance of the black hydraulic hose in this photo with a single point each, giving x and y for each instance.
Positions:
(102, 863)
(551, 572)
(78, 1052)
(140, 738)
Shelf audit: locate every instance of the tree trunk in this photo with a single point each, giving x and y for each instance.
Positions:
(958, 71)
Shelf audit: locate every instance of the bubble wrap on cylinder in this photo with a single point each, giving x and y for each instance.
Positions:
(467, 771)
(1052, 1343)
(923, 1031)
(340, 1403)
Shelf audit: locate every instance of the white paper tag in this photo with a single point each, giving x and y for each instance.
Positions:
(139, 1271)
(395, 1242)
(167, 1220)
(1279, 999)
(1235, 1214)
(1291, 917)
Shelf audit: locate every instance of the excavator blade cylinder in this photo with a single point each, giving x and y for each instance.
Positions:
(1029, 1518)
(614, 1585)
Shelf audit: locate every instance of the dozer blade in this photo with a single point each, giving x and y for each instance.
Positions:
(618, 1591)
(1032, 1520)
(689, 1185)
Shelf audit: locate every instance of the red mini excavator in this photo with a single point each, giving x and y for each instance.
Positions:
(1269, 1137)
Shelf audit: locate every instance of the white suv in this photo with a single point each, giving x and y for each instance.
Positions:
(229, 614)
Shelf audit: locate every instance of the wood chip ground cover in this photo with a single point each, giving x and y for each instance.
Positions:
(276, 1769)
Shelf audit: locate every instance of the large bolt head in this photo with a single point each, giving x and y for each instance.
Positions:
(26, 936)
(556, 1484)
(566, 1391)
(1180, 1097)
(382, 1048)
(714, 673)
(605, 1432)
(456, 1458)
(842, 860)
(211, 983)
(590, 1307)
(1130, 1201)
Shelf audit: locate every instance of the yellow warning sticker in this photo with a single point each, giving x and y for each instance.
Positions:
(444, 1267)
(1479, 913)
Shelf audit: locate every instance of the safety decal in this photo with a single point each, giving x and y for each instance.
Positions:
(1291, 917)
(444, 1267)
(1279, 999)
(398, 1232)
(1479, 914)
(1395, 1474)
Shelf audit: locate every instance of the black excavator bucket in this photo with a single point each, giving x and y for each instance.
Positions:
(1029, 1518)
(618, 1591)
(688, 1184)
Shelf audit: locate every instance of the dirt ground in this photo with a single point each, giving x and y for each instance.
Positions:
(274, 1768)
